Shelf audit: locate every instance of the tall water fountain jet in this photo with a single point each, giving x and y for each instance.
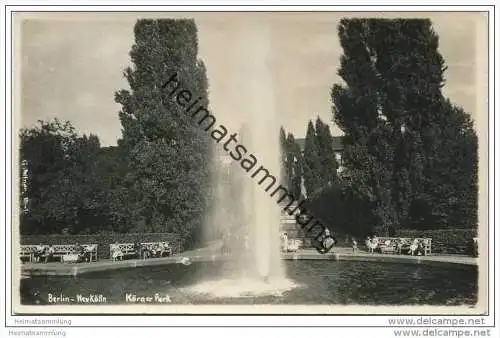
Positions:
(244, 214)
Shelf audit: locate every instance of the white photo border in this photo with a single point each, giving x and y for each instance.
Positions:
(151, 318)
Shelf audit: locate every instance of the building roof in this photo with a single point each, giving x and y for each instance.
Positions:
(337, 143)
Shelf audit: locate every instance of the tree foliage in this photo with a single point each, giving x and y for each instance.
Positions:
(327, 169)
(320, 164)
(63, 190)
(312, 162)
(401, 136)
(292, 164)
(168, 153)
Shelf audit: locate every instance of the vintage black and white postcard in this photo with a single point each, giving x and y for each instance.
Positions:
(250, 163)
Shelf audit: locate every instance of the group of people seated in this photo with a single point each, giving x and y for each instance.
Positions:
(323, 241)
(43, 253)
(415, 247)
(141, 251)
(47, 253)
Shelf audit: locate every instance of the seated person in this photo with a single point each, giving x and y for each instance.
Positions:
(292, 245)
(80, 251)
(39, 252)
(413, 247)
(138, 250)
(143, 251)
(167, 250)
(155, 250)
(161, 249)
(420, 249)
(85, 253)
(399, 245)
(49, 254)
(284, 242)
(327, 233)
(116, 253)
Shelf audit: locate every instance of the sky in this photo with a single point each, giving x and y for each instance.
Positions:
(69, 65)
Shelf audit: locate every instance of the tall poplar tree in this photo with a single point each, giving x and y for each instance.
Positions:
(291, 164)
(285, 170)
(393, 115)
(169, 153)
(368, 146)
(327, 170)
(296, 170)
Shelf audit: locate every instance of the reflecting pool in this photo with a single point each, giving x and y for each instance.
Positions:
(308, 282)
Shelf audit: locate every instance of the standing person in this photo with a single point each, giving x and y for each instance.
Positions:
(39, 252)
(399, 246)
(413, 247)
(369, 244)
(285, 242)
(354, 246)
(161, 249)
(145, 251)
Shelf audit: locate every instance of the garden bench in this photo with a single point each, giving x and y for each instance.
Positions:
(127, 249)
(69, 252)
(64, 252)
(393, 246)
(387, 245)
(427, 244)
(150, 245)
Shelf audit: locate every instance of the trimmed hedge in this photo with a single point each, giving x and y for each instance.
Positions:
(104, 240)
(446, 241)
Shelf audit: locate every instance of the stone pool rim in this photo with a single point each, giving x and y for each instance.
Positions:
(77, 269)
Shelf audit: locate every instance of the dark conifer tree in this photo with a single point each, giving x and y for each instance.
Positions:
(296, 161)
(312, 162)
(284, 173)
(327, 172)
(368, 146)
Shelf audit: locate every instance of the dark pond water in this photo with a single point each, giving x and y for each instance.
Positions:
(317, 282)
